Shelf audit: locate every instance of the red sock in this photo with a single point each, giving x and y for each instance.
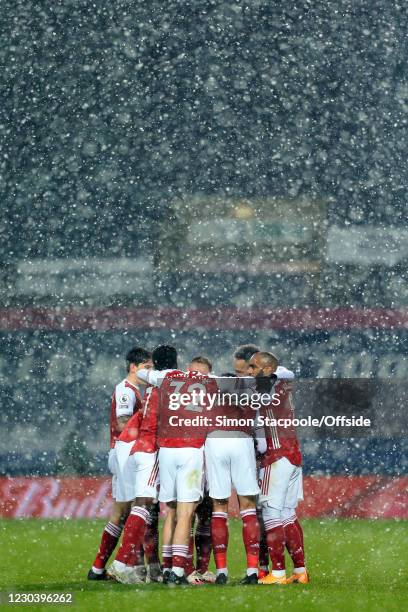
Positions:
(151, 539)
(133, 535)
(203, 547)
(180, 552)
(251, 536)
(110, 538)
(294, 542)
(263, 546)
(189, 565)
(167, 556)
(299, 526)
(275, 537)
(219, 536)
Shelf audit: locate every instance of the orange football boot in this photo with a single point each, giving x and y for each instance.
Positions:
(302, 578)
(270, 579)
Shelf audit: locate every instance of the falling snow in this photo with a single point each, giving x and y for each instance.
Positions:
(150, 151)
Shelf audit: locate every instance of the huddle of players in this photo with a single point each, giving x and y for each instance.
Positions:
(267, 476)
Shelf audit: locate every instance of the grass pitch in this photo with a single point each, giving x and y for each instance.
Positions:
(354, 565)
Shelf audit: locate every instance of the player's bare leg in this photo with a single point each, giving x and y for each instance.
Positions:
(167, 538)
(251, 536)
(181, 537)
(110, 537)
(219, 537)
(120, 511)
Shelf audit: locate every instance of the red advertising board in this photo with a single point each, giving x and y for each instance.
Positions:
(331, 496)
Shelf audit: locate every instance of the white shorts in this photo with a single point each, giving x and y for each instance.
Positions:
(281, 485)
(137, 475)
(145, 468)
(231, 463)
(181, 474)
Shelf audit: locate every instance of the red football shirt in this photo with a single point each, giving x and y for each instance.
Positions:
(176, 382)
(281, 440)
(147, 435)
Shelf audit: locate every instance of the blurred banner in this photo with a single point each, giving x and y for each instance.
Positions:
(88, 277)
(254, 235)
(385, 246)
(335, 496)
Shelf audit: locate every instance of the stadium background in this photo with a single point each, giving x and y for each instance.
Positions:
(131, 135)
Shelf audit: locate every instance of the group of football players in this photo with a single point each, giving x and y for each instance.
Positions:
(193, 470)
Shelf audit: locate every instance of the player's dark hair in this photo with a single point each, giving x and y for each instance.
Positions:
(164, 357)
(246, 351)
(137, 355)
(203, 361)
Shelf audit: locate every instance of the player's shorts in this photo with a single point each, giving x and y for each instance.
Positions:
(145, 468)
(181, 474)
(231, 463)
(125, 485)
(136, 475)
(281, 485)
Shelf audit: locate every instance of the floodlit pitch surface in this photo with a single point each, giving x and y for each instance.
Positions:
(354, 565)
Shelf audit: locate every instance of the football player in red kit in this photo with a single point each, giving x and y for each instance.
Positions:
(181, 461)
(142, 474)
(126, 401)
(281, 476)
(230, 463)
(227, 468)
